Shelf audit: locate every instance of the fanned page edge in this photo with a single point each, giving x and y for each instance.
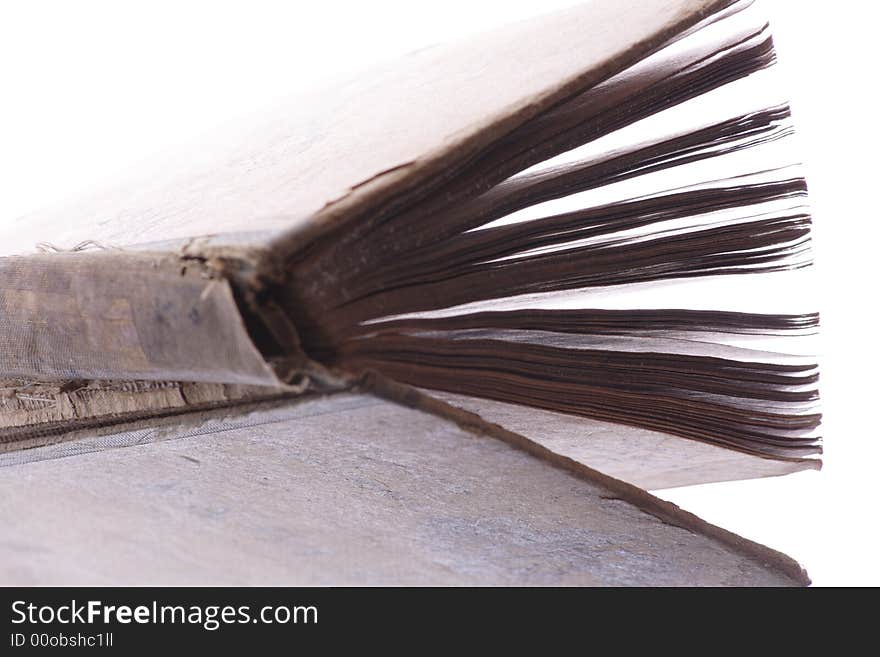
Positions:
(331, 290)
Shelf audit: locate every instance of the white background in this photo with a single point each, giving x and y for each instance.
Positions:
(89, 88)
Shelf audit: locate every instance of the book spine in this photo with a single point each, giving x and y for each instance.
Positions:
(123, 316)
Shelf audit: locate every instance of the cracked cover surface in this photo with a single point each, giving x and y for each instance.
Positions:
(344, 490)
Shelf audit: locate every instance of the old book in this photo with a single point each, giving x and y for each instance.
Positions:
(559, 248)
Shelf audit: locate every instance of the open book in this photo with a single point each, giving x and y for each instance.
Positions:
(587, 228)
